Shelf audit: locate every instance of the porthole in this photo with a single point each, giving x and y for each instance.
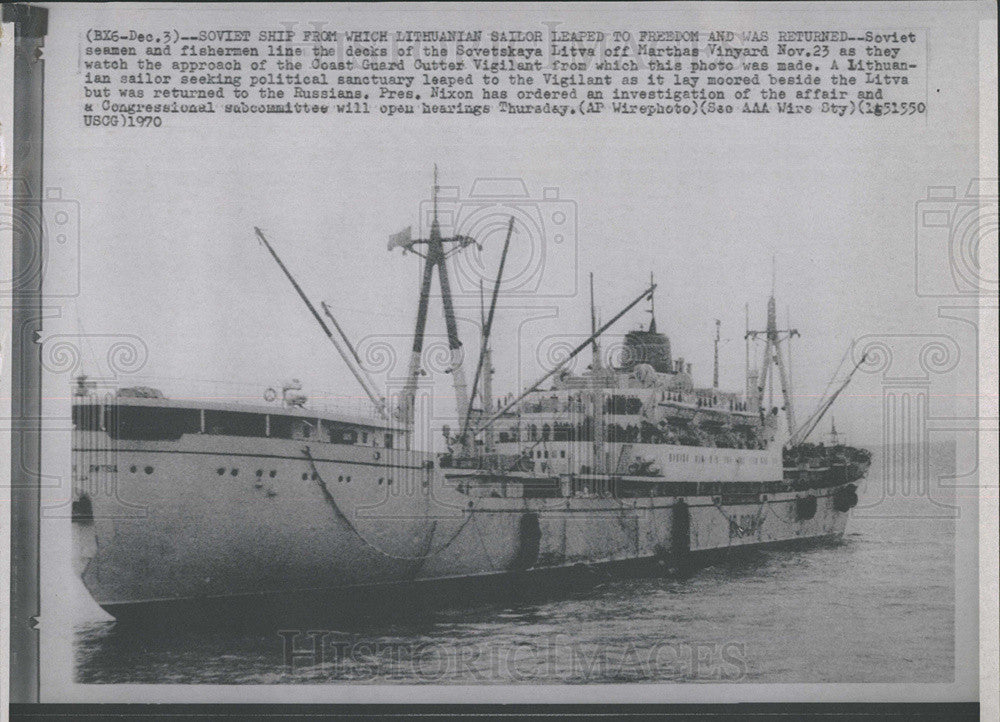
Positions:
(273, 473)
(380, 481)
(133, 468)
(235, 472)
(305, 477)
(260, 472)
(220, 471)
(148, 469)
(348, 480)
(388, 482)
(340, 478)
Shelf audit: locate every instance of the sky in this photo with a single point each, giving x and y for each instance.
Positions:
(167, 251)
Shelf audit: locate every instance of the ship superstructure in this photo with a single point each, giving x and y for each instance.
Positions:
(630, 461)
(642, 417)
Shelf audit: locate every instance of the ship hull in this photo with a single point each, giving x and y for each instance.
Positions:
(408, 598)
(223, 520)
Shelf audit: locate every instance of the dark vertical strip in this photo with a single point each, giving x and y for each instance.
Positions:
(449, 309)
(26, 295)
(425, 294)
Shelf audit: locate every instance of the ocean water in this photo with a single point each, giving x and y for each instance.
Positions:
(878, 606)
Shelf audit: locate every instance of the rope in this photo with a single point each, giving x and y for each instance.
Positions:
(774, 511)
(486, 551)
(343, 517)
(733, 522)
(631, 530)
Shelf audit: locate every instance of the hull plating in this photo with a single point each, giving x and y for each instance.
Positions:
(218, 517)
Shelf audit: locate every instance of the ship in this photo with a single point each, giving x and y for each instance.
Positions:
(627, 464)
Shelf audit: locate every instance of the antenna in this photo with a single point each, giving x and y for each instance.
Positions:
(715, 372)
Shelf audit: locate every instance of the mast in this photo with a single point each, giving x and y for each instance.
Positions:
(715, 371)
(770, 312)
(652, 305)
(746, 342)
(773, 338)
(434, 257)
(595, 396)
(368, 389)
(770, 386)
(788, 322)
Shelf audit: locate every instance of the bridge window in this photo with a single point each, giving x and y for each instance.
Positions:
(235, 423)
(150, 422)
(292, 427)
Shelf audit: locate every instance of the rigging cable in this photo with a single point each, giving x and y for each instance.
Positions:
(343, 517)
